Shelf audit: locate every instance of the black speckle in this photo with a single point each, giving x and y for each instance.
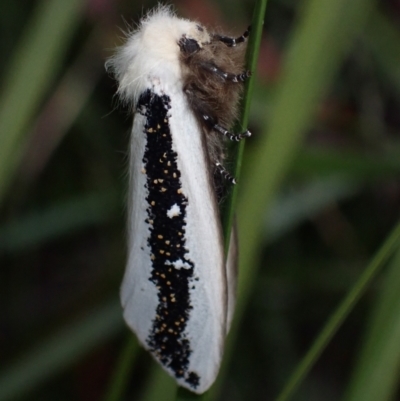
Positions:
(193, 379)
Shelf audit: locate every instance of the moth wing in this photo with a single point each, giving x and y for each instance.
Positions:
(139, 296)
(189, 348)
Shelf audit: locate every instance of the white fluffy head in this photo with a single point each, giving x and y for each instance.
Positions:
(152, 52)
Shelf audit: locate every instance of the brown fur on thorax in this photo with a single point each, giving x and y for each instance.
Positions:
(210, 94)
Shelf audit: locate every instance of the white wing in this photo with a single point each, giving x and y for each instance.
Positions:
(174, 292)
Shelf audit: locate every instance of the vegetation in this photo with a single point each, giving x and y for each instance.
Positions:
(317, 205)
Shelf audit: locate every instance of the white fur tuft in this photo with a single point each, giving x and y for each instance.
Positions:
(152, 47)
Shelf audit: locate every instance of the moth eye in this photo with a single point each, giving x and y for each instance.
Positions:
(200, 28)
(188, 46)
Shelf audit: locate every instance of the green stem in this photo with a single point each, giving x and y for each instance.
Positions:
(253, 50)
(123, 370)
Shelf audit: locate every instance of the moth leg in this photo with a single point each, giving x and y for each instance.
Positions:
(226, 76)
(231, 42)
(225, 173)
(216, 127)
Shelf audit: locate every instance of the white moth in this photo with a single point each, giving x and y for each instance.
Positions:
(183, 84)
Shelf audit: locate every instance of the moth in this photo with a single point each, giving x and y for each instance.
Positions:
(183, 84)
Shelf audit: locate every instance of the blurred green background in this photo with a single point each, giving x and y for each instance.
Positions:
(318, 197)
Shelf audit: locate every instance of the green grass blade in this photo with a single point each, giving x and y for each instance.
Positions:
(161, 386)
(376, 374)
(290, 210)
(356, 165)
(377, 263)
(31, 73)
(318, 48)
(383, 38)
(253, 50)
(121, 375)
(57, 220)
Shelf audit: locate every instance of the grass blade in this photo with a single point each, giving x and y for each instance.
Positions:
(253, 49)
(333, 324)
(30, 75)
(376, 374)
(319, 45)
